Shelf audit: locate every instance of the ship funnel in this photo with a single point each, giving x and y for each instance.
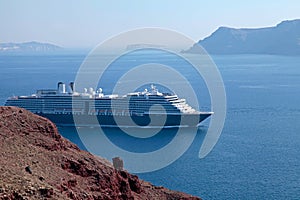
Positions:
(72, 87)
(61, 87)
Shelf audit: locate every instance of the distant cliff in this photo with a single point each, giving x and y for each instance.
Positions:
(28, 47)
(36, 162)
(283, 39)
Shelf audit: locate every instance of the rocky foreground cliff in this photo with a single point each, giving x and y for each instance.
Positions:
(36, 162)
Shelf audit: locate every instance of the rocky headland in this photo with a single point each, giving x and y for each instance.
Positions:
(36, 162)
(282, 39)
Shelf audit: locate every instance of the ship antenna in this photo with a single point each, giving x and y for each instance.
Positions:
(153, 87)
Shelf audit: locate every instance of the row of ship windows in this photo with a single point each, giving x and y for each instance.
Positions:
(92, 102)
(37, 104)
(94, 112)
(105, 99)
(31, 106)
(98, 108)
(96, 102)
(57, 109)
(141, 108)
(104, 108)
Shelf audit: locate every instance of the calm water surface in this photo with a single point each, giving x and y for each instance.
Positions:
(257, 155)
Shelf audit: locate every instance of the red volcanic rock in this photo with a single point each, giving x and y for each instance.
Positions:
(36, 162)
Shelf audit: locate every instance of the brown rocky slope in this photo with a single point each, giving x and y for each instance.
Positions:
(36, 162)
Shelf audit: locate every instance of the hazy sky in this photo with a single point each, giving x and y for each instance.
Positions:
(74, 23)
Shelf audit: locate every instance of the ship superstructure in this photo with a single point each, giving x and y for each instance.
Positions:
(62, 107)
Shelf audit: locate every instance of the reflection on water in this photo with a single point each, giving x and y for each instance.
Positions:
(168, 143)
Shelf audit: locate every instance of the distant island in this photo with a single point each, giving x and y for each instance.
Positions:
(283, 39)
(142, 46)
(28, 47)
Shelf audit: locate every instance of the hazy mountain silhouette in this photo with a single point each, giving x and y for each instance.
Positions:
(283, 39)
(28, 47)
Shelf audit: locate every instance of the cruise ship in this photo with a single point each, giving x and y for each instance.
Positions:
(93, 108)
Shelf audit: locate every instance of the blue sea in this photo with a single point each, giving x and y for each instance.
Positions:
(258, 153)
